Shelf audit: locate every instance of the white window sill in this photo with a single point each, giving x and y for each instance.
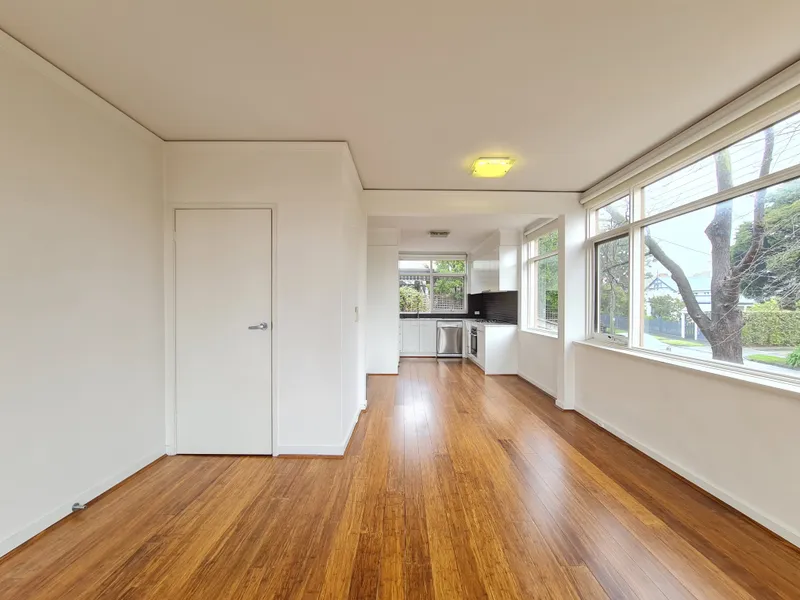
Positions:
(752, 378)
(542, 332)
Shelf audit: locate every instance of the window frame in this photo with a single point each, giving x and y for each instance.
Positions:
(431, 274)
(530, 289)
(594, 291)
(635, 232)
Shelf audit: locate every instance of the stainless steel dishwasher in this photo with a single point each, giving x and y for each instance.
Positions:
(449, 339)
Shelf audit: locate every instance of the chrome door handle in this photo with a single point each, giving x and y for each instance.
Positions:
(261, 326)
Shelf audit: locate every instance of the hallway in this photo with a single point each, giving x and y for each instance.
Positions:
(455, 485)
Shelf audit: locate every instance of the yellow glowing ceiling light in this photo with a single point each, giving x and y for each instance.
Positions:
(491, 167)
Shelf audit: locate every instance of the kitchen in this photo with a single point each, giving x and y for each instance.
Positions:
(458, 295)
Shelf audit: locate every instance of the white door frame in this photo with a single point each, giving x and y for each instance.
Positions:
(170, 380)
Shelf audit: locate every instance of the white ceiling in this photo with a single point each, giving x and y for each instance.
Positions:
(573, 88)
(466, 231)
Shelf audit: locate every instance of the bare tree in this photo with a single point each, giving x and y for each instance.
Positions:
(723, 327)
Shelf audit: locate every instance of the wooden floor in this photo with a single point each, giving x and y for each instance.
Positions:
(455, 485)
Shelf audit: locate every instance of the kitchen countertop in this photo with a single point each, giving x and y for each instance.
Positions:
(458, 318)
(485, 324)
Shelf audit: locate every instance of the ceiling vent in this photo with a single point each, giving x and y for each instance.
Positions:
(438, 234)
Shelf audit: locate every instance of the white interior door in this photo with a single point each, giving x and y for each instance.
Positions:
(223, 294)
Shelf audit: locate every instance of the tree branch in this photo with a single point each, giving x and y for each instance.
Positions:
(684, 287)
(759, 230)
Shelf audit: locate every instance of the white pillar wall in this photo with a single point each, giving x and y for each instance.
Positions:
(572, 305)
(383, 315)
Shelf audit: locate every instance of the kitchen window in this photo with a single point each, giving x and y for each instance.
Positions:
(541, 252)
(433, 284)
(703, 261)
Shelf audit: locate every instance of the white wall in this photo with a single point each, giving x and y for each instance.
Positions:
(383, 313)
(81, 259)
(317, 281)
(353, 270)
(737, 441)
(538, 360)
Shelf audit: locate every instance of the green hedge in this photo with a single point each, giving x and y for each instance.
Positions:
(771, 328)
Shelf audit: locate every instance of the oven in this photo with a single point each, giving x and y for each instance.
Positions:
(473, 340)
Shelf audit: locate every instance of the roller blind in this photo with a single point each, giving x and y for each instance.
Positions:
(540, 230)
(772, 101)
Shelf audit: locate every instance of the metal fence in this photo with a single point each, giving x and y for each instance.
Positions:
(657, 325)
(620, 324)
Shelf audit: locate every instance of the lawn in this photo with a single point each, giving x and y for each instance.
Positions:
(767, 359)
(679, 342)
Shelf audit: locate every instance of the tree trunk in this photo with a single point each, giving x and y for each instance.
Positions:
(726, 317)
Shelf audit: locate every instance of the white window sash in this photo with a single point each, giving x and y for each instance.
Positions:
(530, 287)
(430, 275)
(767, 116)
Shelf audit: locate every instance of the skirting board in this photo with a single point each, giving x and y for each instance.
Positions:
(778, 528)
(54, 516)
(545, 389)
(332, 450)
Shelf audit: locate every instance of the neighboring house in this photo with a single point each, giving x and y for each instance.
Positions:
(663, 284)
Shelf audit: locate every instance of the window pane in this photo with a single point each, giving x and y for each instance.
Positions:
(416, 266)
(448, 294)
(531, 288)
(768, 151)
(415, 293)
(715, 287)
(547, 294)
(613, 286)
(449, 266)
(548, 243)
(613, 215)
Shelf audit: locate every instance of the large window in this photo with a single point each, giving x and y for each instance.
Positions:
(704, 263)
(541, 251)
(433, 284)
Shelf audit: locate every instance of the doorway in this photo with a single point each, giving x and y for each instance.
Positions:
(223, 331)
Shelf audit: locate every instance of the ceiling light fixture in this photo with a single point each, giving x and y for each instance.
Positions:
(491, 167)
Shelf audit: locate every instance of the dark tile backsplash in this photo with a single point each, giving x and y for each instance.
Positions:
(496, 306)
(475, 306)
(434, 315)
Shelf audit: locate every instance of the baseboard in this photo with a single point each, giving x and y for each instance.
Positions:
(774, 525)
(349, 435)
(330, 450)
(54, 516)
(534, 383)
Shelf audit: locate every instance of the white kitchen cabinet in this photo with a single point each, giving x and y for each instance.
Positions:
(500, 350)
(497, 349)
(409, 336)
(427, 338)
(494, 264)
(418, 337)
(481, 346)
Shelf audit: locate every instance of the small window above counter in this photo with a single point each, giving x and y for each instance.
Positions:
(432, 285)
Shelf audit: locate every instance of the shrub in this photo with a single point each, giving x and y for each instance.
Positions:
(412, 300)
(793, 360)
(771, 328)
